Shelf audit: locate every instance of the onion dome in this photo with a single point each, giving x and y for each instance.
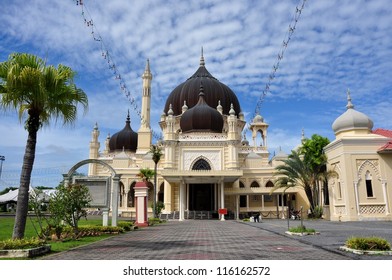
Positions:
(214, 90)
(244, 141)
(352, 119)
(258, 119)
(201, 117)
(126, 139)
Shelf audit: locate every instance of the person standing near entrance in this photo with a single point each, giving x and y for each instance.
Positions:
(257, 218)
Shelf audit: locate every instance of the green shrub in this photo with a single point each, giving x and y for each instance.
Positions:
(90, 230)
(246, 220)
(153, 221)
(300, 229)
(127, 226)
(26, 243)
(368, 243)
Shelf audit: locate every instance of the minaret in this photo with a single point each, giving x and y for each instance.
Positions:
(94, 149)
(144, 133)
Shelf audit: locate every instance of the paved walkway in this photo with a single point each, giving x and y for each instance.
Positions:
(229, 240)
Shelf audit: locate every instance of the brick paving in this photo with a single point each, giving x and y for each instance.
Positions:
(206, 240)
(333, 234)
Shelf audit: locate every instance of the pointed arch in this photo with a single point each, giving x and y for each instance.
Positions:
(269, 184)
(201, 163)
(366, 166)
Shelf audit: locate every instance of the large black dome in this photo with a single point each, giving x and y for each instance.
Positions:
(201, 117)
(214, 91)
(126, 139)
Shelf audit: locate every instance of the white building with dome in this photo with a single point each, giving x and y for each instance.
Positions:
(361, 159)
(206, 165)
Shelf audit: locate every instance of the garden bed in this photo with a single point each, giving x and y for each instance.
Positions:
(365, 252)
(25, 253)
(302, 233)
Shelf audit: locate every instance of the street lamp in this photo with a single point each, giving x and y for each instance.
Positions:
(2, 158)
(289, 184)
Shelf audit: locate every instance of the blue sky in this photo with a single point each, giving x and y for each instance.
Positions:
(336, 45)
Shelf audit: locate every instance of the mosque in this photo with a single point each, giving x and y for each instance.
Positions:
(209, 170)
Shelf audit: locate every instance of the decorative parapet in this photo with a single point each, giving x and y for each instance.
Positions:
(253, 149)
(203, 136)
(210, 175)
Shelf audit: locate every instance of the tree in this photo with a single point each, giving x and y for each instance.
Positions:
(145, 174)
(69, 204)
(156, 152)
(306, 168)
(313, 151)
(40, 94)
(295, 172)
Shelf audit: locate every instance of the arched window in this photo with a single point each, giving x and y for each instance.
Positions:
(242, 186)
(161, 192)
(201, 164)
(122, 192)
(269, 184)
(254, 185)
(369, 187)
(131, 195)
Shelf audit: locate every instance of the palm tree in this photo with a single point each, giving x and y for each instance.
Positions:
(41, 94)
(145, 174)
(156, 152)
(295, 172)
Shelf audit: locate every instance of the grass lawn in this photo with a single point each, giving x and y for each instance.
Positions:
(7, 224)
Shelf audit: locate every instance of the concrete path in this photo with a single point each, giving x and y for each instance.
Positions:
(230, 240)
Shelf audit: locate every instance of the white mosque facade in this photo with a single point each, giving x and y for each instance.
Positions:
(208, 165)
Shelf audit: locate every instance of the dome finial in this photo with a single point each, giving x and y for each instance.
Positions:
(201, 90)
(170, 112)
(202, 63)
(232, 112)
(128, 117)
(148, 66)
(349, 103)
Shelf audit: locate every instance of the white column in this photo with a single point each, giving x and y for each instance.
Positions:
(247, 202)
(222, 195)
(384, 190)
(187, 197)
(237, 206)
(356, 196)
(182, 201)
(105, 217)
(262, 202)
(116, 181)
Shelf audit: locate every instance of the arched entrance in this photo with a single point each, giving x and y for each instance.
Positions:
(113, 187)
(201, 196)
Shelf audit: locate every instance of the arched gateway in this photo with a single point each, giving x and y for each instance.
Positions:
(101, 188)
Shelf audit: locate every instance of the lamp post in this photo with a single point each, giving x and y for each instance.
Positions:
(289, 184)
(2, 158)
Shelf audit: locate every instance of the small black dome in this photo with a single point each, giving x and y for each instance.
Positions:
(125, 139)
(215, 91)
(201, 117)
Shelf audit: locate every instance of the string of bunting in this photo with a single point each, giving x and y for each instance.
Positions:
(275, 67)
(105, 53)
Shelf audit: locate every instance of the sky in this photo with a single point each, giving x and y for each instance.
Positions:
(336, 46)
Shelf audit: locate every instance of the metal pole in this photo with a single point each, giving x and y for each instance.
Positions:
(302, 223)
(288, 218)
(155, 191)
(2, 158)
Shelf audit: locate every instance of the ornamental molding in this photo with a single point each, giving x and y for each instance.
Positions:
(372, 164)
(203, 136)
(212, 157)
